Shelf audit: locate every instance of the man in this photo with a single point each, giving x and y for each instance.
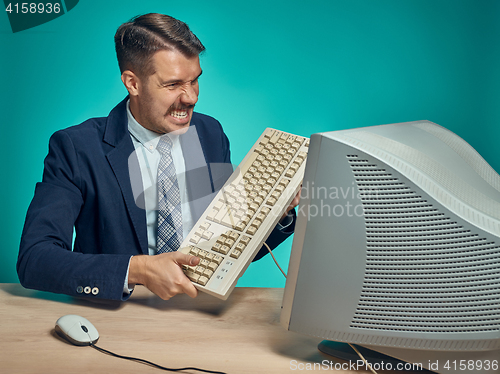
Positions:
(92, 172)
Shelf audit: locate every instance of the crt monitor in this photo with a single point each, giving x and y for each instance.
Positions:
(397, 247)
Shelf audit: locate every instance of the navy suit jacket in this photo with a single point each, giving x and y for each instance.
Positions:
(86, 186)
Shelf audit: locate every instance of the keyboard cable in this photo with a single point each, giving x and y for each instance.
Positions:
(274, 258)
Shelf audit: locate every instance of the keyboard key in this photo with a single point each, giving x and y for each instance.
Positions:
(207, 235)
(219, 205)
(202, 280)
(192, 275)
(241, 226)
(208, 273)
(213, 266)
(284, 182)
(271, 201)
(211, 216)
(244, 220)
(224, 249)
(233, 235)
(204, 263)
(245, 239)
(256, 223)
(275, 137)
(220, 214)
(205, 226)
(218, 259)
(276, 194)
(265, 210)
(229, 220)
(251, 230)
(235, 253)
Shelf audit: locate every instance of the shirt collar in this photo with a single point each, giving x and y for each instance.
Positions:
(149, 139)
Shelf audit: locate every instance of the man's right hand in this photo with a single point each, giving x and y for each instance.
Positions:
(162, 274)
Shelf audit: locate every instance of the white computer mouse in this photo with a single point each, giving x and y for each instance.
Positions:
(76, 330)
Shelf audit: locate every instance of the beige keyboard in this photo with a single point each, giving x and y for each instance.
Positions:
(245, 211)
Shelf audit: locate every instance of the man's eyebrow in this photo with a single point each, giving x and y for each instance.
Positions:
(174, 81)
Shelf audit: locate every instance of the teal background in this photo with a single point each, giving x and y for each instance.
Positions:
(302, 67)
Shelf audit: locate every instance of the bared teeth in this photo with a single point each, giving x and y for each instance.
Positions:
(179, 114)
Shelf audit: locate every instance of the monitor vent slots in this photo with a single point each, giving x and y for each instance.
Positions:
(424, 272)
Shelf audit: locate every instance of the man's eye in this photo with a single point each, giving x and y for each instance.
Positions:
(170, 86)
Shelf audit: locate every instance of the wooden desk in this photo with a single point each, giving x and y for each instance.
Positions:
(240, 335)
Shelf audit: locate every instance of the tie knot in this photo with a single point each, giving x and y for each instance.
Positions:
(164, 145)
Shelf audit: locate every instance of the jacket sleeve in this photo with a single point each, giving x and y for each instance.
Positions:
(46, 260)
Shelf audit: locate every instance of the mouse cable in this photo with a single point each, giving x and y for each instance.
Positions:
(145, 362)
(274, 258)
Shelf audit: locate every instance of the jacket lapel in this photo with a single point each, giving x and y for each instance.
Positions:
(124, 166)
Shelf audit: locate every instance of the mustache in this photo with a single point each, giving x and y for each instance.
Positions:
(180, 107)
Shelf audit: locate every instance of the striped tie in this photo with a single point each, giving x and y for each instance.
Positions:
(169, 234)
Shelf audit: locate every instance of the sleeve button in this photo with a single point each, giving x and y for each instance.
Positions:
(79, 289)
(87, 290)
(95, 291)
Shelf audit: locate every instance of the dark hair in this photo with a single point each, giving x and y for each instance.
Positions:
(139, 39)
